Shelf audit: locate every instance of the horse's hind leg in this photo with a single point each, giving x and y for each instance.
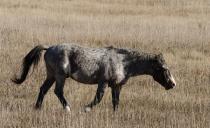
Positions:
(60, 81)
(43, 90)
(98, 96)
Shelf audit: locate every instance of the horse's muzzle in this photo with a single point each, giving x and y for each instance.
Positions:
(170, 87)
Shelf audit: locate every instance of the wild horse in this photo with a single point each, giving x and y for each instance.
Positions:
(103, 66)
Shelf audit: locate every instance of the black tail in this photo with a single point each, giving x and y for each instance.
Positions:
(32, 57)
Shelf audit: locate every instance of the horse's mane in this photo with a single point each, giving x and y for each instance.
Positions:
(133, 55)
(126, 51)
(130, 53)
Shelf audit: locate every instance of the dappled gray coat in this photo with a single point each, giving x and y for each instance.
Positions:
(103, 66)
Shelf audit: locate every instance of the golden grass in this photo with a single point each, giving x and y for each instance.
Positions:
(180, 29)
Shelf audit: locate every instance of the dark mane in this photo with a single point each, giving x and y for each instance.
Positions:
(123, 50)
(133, 54)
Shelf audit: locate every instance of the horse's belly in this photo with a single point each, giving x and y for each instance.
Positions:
(84, 78)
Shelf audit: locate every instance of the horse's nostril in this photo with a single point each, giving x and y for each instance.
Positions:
(173, 85)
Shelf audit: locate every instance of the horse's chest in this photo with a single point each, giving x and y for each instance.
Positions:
(116, 74)
(119, 72)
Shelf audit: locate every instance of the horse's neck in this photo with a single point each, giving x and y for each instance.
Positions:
(142, 66)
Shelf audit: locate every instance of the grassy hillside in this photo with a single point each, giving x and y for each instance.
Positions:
(180, 29)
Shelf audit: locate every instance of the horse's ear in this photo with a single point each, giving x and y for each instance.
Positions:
(160, 55)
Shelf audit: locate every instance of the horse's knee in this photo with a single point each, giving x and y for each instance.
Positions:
(115, 101)
(99, 95)
(115, 104)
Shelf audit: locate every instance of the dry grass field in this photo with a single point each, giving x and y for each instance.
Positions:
(180, 29)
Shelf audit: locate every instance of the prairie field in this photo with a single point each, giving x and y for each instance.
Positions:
(180, 29)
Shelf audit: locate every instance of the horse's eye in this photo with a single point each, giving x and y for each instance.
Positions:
(158, 69)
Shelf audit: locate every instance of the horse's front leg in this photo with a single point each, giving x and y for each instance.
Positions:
(116, 96)
(98, 96)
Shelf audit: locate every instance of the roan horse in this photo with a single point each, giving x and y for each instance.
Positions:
(103, 66)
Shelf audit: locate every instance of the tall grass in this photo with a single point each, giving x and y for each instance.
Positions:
(180, 29)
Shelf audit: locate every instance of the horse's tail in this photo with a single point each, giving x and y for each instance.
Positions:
(32, 57)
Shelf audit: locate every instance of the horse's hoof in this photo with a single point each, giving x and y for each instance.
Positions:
(37, 107)
(87, 109)
(67, 108)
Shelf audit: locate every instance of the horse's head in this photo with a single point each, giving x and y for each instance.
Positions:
(161, 73)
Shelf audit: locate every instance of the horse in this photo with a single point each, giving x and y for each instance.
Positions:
(102, 66)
